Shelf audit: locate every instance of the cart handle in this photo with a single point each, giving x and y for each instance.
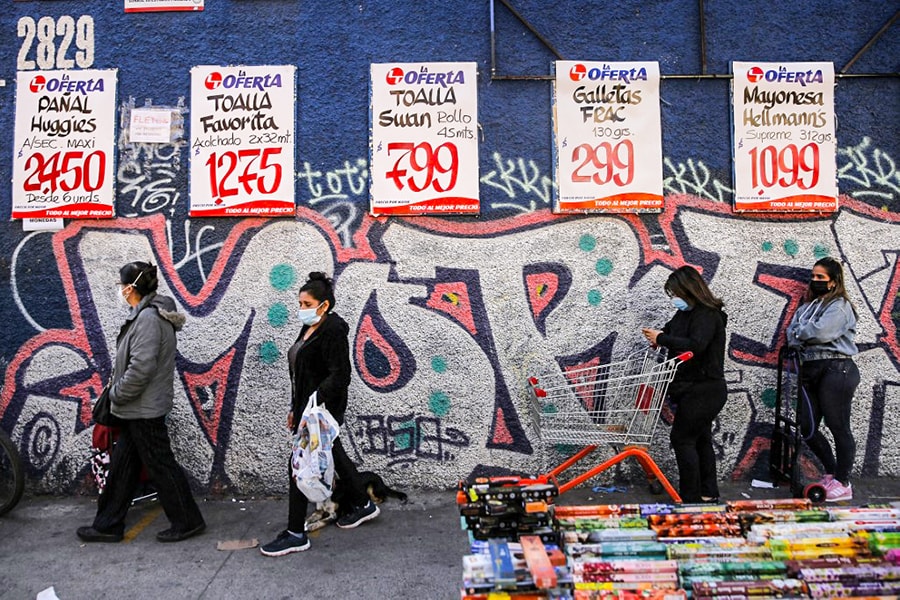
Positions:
(685, 356)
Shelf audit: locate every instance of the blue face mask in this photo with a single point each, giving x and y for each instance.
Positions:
(308, 316)
(680, 304)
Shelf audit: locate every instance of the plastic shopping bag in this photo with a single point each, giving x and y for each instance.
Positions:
(312, 464)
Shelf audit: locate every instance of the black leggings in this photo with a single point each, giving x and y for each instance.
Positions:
(697, 406)
(829, 385)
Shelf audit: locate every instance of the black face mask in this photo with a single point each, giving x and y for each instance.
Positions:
(818, 287)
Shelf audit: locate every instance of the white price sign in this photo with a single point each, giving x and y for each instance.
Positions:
(784, 139)
(242, 141)
(607, 137)
(64, 144)
(424, 143)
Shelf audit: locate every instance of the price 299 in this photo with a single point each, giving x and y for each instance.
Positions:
(603, 163)
(226, 179)
(66, 171)
(424, 165)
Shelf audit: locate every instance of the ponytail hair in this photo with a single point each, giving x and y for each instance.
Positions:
(141, 276)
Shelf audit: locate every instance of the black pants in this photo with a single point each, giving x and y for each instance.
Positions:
(346, 471)
(145, 442)
(697, 406)
(830, 385)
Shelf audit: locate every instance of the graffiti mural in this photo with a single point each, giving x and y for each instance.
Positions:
(448, 320)
(448, 316)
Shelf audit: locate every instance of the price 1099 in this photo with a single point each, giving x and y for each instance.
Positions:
(786, 167)
(250, 170)
(66, 171)
(421, 166)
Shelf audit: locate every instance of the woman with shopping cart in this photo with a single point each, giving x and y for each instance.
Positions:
(698, 390)
(823, 330)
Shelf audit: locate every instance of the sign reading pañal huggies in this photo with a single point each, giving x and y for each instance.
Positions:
(607, 137)
(424, 142)
(242, 141)
(784, 139)
(63, 161)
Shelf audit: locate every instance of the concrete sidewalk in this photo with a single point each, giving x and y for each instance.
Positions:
(412, 550)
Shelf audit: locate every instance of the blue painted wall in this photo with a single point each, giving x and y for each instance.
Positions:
(445, 323)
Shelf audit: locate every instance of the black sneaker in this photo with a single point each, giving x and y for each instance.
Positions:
(359, 516)
(285, 543)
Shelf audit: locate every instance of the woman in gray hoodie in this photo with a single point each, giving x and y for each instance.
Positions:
(823, 330)
(141, 391)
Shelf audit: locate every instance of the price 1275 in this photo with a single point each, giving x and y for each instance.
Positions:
(424, 166)
(67, 171)
(226, 177)
(603, 163)
(786, 167)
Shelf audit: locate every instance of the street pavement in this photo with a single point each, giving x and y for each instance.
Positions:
(411, 550)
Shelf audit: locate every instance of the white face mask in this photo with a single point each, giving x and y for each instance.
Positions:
(308, 316)
(123, 295)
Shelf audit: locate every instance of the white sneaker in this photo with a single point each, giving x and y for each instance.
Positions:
(838, 492)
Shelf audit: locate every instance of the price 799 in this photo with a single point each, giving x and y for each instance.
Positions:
(424, 160)
(221, 168)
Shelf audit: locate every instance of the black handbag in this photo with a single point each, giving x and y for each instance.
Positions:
(102, 411)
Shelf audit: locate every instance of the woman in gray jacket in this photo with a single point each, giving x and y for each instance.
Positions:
(141, 391)
(823, 330)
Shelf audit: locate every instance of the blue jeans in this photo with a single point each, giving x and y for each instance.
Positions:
(830, 384)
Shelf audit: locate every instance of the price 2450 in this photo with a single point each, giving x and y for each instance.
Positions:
(226, 178)
(786, 167)
(66, 171)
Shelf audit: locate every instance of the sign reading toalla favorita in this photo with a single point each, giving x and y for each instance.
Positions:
(607, 137)
(63, 162)
(242, 141)
(424, 139)
(784, 140)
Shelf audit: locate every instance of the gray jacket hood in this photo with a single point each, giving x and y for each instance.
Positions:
(165, 306)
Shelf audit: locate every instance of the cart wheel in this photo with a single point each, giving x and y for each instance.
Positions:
(656, 487)
(815, 492)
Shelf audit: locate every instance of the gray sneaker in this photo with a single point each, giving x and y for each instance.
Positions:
(285, 543)
(359, 516)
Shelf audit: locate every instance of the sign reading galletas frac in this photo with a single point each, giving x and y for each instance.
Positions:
(784, 139)
(242, 141)
(63, 162)
(424, 143)
(607, 137)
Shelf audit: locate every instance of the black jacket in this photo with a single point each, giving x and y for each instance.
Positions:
(702, 331)
(322, 364)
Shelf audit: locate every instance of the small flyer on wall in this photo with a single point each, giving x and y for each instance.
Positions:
(784, 137)
(63, 160)
(162, 5)
(424, 139)
(607, 137)
(242, 141)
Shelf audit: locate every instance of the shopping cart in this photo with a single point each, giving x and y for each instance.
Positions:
(791, 403)
(616, 404)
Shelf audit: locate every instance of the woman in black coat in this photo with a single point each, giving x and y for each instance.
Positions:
(319, 361)
(698, 390)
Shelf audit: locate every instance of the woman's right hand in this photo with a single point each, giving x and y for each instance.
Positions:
(290, 421)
